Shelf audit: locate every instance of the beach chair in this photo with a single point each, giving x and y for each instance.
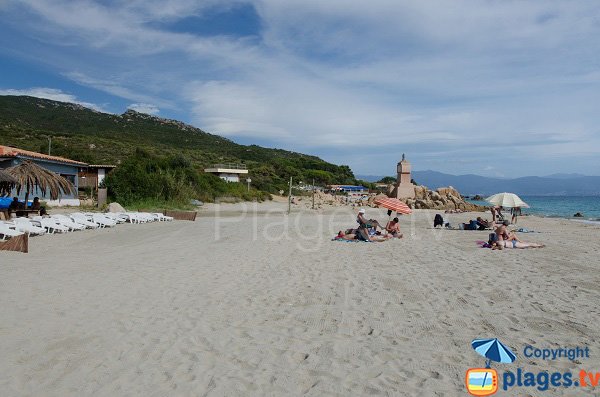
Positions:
(50, 224)
(146, 217)
(68, 222)
(115, 217)
(83, 220)
(102, 220)
(161, 217)
(6, 232)
(24, 225)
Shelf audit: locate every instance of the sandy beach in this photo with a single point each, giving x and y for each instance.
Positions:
(249, 301)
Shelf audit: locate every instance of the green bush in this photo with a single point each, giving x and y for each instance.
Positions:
(150, 180)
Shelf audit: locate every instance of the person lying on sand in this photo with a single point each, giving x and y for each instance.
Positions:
(355, 234)
(484, 223)
(499, 245)
(393, 228)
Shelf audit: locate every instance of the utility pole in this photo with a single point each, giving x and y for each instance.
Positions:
(49, 145)
(313, 193)
(290, 197)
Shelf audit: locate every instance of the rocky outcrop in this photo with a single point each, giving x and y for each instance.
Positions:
(444, 198)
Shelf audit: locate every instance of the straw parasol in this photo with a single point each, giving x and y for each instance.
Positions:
(7, 183)
(30, 176)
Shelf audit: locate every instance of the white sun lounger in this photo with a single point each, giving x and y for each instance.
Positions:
(102, 220)
(115, 217)
(162, 217)
(51, 225)
(7, 232)
(68, 222)
(83, 220)
(24, 225)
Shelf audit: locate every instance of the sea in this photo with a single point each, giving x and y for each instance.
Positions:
(560, 206)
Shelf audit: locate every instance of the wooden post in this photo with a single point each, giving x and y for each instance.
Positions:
(290, 197)
(313, 193)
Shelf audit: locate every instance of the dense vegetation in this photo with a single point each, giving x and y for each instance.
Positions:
(99, 138)
(154, 180)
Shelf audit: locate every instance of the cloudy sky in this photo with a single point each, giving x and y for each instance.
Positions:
(490, 87)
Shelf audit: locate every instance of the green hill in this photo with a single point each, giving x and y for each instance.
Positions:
(93, 137)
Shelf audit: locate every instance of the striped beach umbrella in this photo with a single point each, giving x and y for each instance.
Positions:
(392, 204)
(493, 350)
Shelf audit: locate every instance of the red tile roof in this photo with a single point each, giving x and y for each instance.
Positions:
(7, 151)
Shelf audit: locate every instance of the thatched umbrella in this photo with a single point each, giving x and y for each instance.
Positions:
(7, 183)
(30, 176)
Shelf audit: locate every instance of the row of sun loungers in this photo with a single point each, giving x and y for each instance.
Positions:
(72, 222)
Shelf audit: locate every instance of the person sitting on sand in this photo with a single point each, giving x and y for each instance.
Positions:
(368, 223)
(393, 228)
(503, 234)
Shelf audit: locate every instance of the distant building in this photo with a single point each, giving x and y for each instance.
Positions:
(68, 169)
(228, 172)
(93, 175)
(348, 188)
(404, 188)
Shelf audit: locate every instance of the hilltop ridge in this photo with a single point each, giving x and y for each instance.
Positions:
(95, 137)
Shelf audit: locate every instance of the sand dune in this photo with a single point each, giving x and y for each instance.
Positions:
(268, 305)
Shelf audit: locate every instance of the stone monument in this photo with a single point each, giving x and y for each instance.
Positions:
(404, 187)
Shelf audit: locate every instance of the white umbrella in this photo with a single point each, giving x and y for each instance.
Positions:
(509, 200)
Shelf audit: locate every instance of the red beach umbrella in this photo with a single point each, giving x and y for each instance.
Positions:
(393, 204)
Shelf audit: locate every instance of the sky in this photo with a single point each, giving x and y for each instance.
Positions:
(500, 88)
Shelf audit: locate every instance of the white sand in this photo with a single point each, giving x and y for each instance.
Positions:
(268, 305)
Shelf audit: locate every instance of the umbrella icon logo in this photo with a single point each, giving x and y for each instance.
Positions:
(484, 381)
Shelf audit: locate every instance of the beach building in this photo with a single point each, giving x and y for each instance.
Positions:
(67, 168)
(92, 175)
(404, 187)
(228, 172)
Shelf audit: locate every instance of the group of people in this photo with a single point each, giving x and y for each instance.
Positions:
(371, 230)
(498, 216)
(503, 238)
(16, 206)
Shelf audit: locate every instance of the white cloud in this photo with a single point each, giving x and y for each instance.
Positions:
(144, 108)
(53, 94)
(437, 77)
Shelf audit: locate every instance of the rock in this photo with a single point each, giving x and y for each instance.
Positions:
(477, 198)
(195, 202)
(420, 192)
(435, 196)
(578, 215)
(115, 207)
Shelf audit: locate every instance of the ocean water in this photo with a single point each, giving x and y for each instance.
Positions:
(560, 206)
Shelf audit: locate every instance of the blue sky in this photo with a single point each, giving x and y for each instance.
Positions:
(498, 88)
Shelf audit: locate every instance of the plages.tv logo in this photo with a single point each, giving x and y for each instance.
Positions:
(484, 381)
